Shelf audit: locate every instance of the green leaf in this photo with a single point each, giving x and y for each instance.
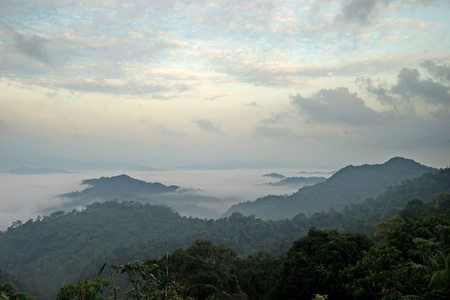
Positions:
(115, 268)
(21, 297)
(3, 296)
(440, 280)
(101, 269)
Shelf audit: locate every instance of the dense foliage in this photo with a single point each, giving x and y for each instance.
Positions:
(413, 263)
(254, 258)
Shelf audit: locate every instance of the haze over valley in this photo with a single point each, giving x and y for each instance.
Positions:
(27, 196)
(224, 149)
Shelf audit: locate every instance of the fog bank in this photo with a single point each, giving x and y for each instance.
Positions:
(24, 197)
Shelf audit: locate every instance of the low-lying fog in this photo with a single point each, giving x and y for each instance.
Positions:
(24, 197)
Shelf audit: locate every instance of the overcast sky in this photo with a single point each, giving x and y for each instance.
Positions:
(167, 83)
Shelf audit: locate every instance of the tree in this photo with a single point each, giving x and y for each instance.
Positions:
(375, 275)
(87, 290)
(206, 271)
(313, 264)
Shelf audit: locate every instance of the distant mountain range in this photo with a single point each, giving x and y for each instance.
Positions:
(274, 175)
(297, 181)
(350, 185)
(33, 171)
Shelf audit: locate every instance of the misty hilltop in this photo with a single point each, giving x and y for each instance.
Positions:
(297, 181)
(350, 185)
(274, 175)
(186, 201)
(119, 186)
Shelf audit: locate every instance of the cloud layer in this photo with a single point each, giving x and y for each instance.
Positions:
(173, 83)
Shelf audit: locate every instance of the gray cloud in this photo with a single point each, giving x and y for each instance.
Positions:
(411, 88)
(365, 12)
(407, 132)
(273, 75)
(381, 90)
(171, 132)
(336, 106)
(441, 72)
(358, 11)
(33, 46)
(209, 127)
(410, 85)
(254, 104)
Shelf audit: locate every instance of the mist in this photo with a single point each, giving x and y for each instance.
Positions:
(25, 197)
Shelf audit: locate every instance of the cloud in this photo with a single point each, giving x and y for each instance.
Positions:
(357, 11)
(336, 106)
(410, 85)
(363, 12)
(208, 127)
(441, 72)
(407, 133)
(274, 73)
(254, 104)
(117, 87)
(410, 89)
(33, 46)
(171, 132)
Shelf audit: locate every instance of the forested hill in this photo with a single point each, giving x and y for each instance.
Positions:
(350, 185)
(185, 201)
(117, 186)
(48, 252)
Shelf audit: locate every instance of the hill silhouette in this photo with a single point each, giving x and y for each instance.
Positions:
(297, 181)
(117, 186)
(350, 185)
(185, 201)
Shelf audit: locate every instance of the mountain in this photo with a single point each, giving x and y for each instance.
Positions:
(430, 188)
(274, 175)
(298, 181)
(350, 185)
(118, 186)
(53, 250)
(32, 171)
(185, 201)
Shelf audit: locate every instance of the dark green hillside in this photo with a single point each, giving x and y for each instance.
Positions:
(47, 249)
(412, 263)
(349, 185)
(53, 250)
(107, 187)
(363, 216)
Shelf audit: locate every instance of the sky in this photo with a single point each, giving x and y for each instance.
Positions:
(267, 83)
